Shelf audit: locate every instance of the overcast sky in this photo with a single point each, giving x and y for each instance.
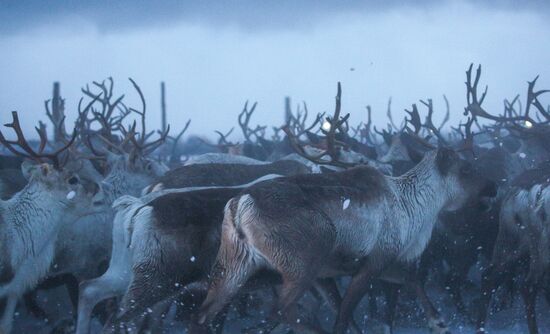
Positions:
(213, 57)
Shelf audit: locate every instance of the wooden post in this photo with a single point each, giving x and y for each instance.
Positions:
(288, 110)
(58, 114)
(163, 105)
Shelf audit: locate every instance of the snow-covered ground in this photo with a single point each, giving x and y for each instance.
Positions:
(410, 319)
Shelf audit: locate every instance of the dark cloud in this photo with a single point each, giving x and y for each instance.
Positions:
(109, 15)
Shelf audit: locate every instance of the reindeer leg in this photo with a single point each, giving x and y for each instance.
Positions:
(357, 288)
(500, 268)
(94, 291)
(68, 280)
(6, 323)
(529, 294)
(373, 306)
(153, 321)
(435, 321)
(328, 289)
(241, 305)
(292, 289)
(391, 290)
(227, 276)
(32, 305)
(71, 284)
(455, 279)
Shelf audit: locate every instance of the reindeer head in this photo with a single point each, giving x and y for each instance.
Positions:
(461, 180)
(127, 174)
(123, 149)
(49, 174)
(66, 186)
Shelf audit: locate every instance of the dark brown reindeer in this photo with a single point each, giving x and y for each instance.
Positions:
(116, 279)
(173, 237)
(356, 222)
(521, 247)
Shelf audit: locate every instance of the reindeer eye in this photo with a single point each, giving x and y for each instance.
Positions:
(73, 180)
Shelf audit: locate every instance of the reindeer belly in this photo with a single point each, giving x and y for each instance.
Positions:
(357, 230)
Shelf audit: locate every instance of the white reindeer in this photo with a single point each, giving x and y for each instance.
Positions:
(32, 218)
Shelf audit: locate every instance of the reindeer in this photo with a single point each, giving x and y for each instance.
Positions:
(32, 218)
(523, 238)
(522, 243)
(333, 244)
(127, 171)
(187, 251)
(223, 174)
(222, 158)
(204, 175)
(172, 237)
(353, 222)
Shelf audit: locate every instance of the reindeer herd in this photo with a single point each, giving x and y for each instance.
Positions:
(138, 224)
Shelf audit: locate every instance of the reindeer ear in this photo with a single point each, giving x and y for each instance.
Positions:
(28, 168)
(445, 160)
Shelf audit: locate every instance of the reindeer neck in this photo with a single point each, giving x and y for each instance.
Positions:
(33, 211)
(420, 195)
(122, 182)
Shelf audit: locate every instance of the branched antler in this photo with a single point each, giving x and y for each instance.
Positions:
(109, 122)
(244, 120)
(447, 114)
(298, 123)
(26, 151)
(428, 123)
(390, 116)
(143, 135)
(532, 99)
(336, 125)
(414, 120)
(222, 141)
(174, 155)
(474, 102)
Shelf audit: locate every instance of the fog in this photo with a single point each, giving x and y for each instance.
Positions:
(214, 58)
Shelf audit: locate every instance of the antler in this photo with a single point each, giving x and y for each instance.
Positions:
(244, 120)
(298, 123)
(510, 109)
(532, 99)
(174, 150)
(105, 116)
(27, 150)
(390, 116)
(447, 113)
(222, 141)
(414, 120)
(143, 135)
(428, 123)
(366, 133)
(474, 103)
(335, 125)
